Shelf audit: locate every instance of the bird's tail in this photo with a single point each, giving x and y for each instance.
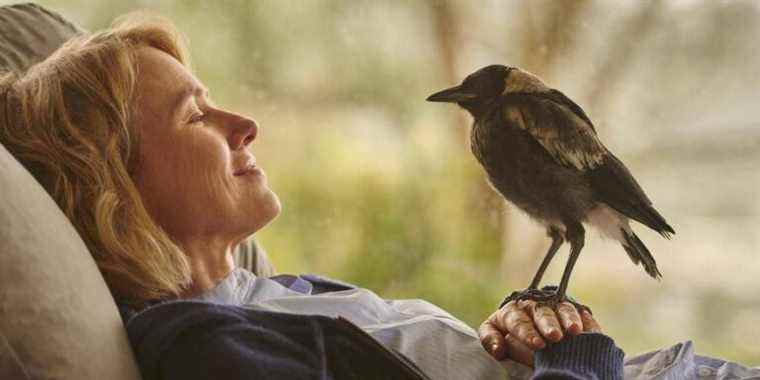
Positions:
(639, 253)
(655, 221)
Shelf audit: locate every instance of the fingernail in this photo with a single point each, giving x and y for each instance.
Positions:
(494, 347)
(537, 342)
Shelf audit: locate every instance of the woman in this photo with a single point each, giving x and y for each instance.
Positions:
(161, 185)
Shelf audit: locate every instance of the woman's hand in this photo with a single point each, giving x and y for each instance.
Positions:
(519, 328)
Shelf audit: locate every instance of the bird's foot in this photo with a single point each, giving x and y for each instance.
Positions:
(546, 296)
(538, 295)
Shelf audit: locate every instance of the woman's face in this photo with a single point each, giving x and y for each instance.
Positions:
(195, 172)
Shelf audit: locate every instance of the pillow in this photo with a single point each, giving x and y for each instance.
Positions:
(56, 313)
(10, 366)
(30, 33)
(57, 317)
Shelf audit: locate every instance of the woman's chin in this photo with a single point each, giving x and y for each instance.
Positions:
(275, 207)
(266, 209)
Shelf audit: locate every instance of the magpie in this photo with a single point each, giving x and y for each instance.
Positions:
(541, 152)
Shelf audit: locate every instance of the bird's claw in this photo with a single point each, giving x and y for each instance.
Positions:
(547, 296)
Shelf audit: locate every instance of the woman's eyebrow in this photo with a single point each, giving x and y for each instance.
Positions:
(186, 93)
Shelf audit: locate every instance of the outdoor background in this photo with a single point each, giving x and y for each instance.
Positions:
(379, 187)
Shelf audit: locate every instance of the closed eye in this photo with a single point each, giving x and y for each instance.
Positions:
(197, 118)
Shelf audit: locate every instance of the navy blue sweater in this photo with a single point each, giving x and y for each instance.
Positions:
(586, 356)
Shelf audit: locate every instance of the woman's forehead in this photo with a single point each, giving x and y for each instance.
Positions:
(161, 78)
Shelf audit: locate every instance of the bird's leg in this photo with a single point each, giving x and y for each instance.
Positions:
(557, 241)
(576, 235)
(532, 292)
(551, 296)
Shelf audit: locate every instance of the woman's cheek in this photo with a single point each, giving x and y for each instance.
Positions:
(219, 189)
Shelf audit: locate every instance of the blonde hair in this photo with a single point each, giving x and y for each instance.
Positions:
(69, 121)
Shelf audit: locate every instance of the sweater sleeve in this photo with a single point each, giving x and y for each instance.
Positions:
(582, 357)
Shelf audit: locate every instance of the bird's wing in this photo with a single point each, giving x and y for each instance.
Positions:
(560, 98)
(559, 125)
(567, 134)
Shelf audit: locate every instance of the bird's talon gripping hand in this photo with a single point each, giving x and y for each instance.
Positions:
(578, 306)
(546, 296)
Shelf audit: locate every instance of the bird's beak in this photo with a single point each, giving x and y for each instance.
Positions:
(451, 95)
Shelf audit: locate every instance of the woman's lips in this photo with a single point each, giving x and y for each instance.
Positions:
(249, 170)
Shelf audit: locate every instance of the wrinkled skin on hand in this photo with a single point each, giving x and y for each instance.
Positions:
(519, 328)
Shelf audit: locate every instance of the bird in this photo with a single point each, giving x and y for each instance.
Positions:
(541, 152)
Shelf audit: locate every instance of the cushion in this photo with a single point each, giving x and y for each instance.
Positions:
(10, 365)
(56, 313)
(57, 317)
(29, 33)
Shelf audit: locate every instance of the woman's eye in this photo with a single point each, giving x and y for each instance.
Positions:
(198, 118)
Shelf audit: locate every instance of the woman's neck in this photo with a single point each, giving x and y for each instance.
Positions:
(210, 262)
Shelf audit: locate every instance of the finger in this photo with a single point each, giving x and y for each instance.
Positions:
(492, 339)
(570, 319)
(518, 351)
(589, 323)
(546, 321)
(517, 322)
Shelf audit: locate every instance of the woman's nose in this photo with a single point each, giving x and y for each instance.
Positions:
(242, 131)
(248, 130)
